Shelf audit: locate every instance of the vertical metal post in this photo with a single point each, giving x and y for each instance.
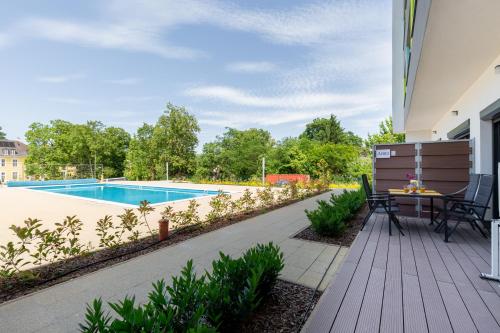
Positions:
(418, 174)
(263, 171)
(166, 165)
(374, 169)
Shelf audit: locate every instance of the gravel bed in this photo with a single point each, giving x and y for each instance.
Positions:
(285, 310)
(346, 239)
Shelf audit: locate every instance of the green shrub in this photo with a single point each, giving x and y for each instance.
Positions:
(220, 205)
(222, 298)
(189, 216)
(231, 292)
(169, 309)
(269, 259)
(236, 286)
(330, 218)
(266, 197)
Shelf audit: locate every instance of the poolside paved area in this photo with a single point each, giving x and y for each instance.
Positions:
(411, 283)
(61, 308)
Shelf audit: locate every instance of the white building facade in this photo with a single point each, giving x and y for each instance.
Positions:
(446, 74)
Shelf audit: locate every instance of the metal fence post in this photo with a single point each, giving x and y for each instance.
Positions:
(418, 174)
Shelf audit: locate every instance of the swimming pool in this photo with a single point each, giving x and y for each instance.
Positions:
(125, 194)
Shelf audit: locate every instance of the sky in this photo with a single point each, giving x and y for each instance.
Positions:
(266, 64)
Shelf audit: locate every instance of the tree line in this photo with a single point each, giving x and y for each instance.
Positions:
(324, 149)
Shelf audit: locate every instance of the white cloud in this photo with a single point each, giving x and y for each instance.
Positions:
(126, 81)
(68, 100)
(251, 67)
(278, 117)
(296, 101)
(60, 78)
(123, 36)
(144, 25)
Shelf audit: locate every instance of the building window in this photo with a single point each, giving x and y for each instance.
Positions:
(5, 152)
(14, 175)
(3, 162)
(2, 177)
(14, 163)
(13, 152)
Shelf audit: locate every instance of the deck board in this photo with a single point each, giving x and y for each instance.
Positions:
(437, 317)
(411, 283)
(328, 306)
(349, 311)
(392, 311)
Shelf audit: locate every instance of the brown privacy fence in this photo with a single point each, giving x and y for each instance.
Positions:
(443, 166)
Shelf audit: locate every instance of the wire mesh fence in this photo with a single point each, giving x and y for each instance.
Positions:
(64, 171)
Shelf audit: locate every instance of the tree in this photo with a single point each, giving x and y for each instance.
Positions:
(112, 150)
(172, 139)
(140, 161)
(175, 137)
(60, 144)
(352, 139)
(2, 134)
(330, 130)
(324, 130)
(236, 154)
(288, 157)
(385, 135)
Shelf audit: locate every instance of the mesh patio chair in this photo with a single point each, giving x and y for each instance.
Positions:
(452, 198)
(471, 211)
(380, 203)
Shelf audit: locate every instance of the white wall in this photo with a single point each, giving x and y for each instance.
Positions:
(418, 136)
(482, 93)
(398, 57)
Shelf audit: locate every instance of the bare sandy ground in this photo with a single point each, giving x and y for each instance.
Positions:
(17, 204)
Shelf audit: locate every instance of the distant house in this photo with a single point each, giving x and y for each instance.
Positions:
(12, 157)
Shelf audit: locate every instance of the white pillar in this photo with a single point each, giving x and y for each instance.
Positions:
(167, 170)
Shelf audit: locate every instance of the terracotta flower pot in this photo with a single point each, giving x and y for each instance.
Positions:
(163, 229)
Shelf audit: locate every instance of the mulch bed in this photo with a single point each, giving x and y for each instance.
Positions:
(45, 276)
(285, 310)
(346, 239)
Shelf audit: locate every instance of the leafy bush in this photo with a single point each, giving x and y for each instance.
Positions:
(37, 246)
(68, 232)
(236, 286)
(247, 201)
(145, 209)
(108, 237)
(266, 197)
(231, 292)
(222, 298)
(220, 207)
(169, 309)
(269, 259)
(330, 218)
(188, 216)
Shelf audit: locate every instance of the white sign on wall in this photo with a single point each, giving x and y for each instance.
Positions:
(383, 153)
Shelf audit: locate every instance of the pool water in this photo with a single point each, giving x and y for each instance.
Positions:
(125, 194)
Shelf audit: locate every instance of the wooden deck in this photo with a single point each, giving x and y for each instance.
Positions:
(411, 283)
